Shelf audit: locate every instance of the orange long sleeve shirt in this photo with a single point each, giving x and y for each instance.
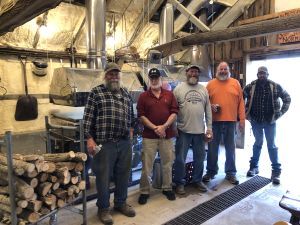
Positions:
(229, 95)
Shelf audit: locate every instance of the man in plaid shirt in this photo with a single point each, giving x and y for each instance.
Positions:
(108, 119)
(262, 110)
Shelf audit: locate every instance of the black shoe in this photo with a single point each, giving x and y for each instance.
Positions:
(275, 178)
(207, 177)
(170, 195)
(252, 172)
(232, 179)
(143, 199)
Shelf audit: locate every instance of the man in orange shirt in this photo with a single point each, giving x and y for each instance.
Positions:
(227, 103)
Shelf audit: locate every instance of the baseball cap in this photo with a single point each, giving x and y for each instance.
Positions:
(263, 69)
(154, 73)
(111, 66)
(200, 68)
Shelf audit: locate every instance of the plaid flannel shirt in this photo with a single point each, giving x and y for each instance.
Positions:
(276, 92)
(108, 116)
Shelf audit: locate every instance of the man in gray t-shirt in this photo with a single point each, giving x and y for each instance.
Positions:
(193, 117)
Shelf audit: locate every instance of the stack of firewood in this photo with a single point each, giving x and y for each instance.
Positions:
(42, 183)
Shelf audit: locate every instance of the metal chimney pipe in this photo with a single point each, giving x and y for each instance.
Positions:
(166, 29)
(96, 33)
(200, 54)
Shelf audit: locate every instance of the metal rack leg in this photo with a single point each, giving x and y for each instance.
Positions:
(81, 132)
(11, 180)
(53, 219)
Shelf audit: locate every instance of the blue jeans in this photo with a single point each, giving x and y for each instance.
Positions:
(183, 143)
(113, 162)
(227, 129)
(270, 134)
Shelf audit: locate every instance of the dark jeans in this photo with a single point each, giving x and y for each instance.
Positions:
(183, 143)
(113, 161)
(227, 129)
(270, 133)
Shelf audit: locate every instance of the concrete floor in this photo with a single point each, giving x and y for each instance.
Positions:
(260, 208)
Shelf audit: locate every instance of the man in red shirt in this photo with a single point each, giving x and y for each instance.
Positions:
(157, 109)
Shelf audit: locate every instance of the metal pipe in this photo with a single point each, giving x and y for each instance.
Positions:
(166, 29)
(82, 149)
(11, 180)
(96, 33)
(190, 16)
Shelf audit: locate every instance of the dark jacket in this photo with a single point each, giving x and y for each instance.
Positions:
(277, 92)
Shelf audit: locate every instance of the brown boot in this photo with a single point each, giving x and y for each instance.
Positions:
(105, 217)
(126, 210)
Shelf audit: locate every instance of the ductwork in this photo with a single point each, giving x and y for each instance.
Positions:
(166, 30)
(96, 33)
(199, 55)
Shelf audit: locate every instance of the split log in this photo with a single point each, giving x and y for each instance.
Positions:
(43, 177)
(63, 174)
(22, 203)
(80, 156)
(52, 167)
(75, 177)
(73, 189)
(29, 167)
(48, 199)
(32, 157)
(44, 210)
(4, 200)
(41, 166)
(44, 188)
(61, 193)
(33, 182)
(79, 167)
(23, 190)
(32, 174)
(34, 197)
(7, 208)
(60, 203)
(55, 186)
(70, 198)
(69, 165)
(35, 205)
(31, 217)
(81, 185)
(75, 180)
(59, 157)
(52, 178)
(17, 171)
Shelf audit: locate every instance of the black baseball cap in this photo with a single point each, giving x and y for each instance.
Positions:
(154, 73)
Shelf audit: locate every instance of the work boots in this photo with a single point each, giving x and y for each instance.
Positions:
(275, 177)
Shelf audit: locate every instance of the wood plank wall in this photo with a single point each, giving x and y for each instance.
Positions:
(233, 51)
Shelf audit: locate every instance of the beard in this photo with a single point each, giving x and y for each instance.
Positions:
(222, 76)
(156, 86)
(262, 82)
(113, 86)
(192, 80)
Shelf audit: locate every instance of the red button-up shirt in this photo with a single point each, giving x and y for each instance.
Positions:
(157, 110)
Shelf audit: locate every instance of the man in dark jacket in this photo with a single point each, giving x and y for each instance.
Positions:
(262, 110)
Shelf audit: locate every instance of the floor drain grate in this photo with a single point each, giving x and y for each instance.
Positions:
(209, 209)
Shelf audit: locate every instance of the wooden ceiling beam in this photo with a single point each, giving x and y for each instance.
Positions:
(262, 28)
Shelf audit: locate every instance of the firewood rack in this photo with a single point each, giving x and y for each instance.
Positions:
(7, 143)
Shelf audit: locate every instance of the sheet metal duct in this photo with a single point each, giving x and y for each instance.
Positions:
(199, 55)
(96, 33)
(166, 30)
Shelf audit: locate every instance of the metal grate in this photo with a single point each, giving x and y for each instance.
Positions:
(209, 209)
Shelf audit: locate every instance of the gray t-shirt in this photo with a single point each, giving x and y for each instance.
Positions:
(194, 107)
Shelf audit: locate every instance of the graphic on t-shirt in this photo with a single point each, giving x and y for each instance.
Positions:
(193, 96)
